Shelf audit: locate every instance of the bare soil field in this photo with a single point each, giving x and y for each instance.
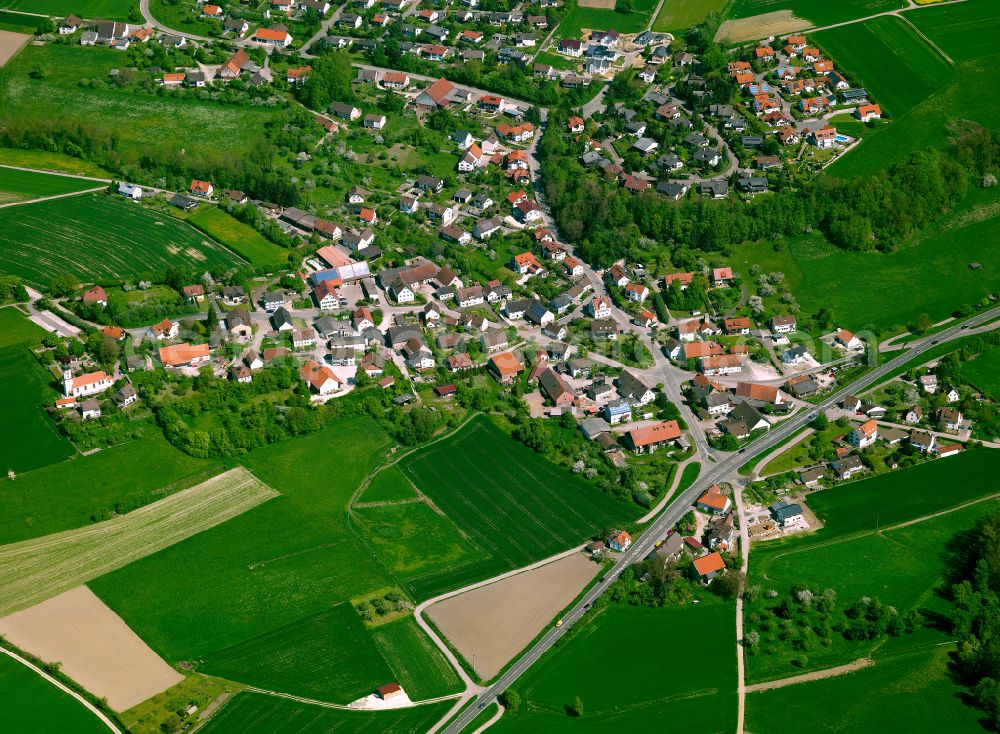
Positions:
(34, 570)
(603, 4)
(777, 23)
(10, 44)
(94, 646)
(492, 624)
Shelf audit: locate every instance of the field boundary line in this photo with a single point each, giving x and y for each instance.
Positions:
(66, 689)
(53, 197)
(48, 171)
(346, 707)
(927, 40)
(834, 672)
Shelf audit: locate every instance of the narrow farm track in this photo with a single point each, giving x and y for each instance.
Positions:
(815, 675)
(50, 198)
(49, 172)
(34, 570)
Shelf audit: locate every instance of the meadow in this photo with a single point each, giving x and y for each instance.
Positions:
(31, 439)
(256, 713)
(95, 237)
(107, 9)
(984, 372)
(578, 19)
(307, 658)
(679, 14)
(877, 53)
(498, 494)
(905, 280)
(37, 569)
(817, 12)
(32, 704)
(18, 185)
(910, 692)
(389, 485)
(184, 17)
(241, 238)
(673, 664)
(141, 123)
(68, 494)
(44, 160)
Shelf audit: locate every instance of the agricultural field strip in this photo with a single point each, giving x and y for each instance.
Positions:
(34, 570)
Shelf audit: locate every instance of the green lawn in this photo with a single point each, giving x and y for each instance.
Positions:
(679, 14)
(812, 266)
(239, 237)
(282, 562)
(415, 661)
(22, 185)
(965, 31)
(878, 53)
(95, 237)
(256, 713)
(557, 61)
(984, 372)
(389, 485)
(817, 12)
(32, 704)
(107, 9)
(797, 455)
(912, 692)
(499, 494)
(43, 160)
(636, 668)
(578, 19)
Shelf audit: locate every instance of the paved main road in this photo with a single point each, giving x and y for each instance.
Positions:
(646, 542)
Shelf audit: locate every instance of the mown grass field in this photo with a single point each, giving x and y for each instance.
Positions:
(32, 704)
(910, 692)
(239, 237)
(636, 668)
(142, 123)
(43, 160)
(34, 570)
(809, 264)
(678, 14)
(66, 495)
(416, 663)
(95, 236)
(108, 9)
(307, 658)
(964, 31)
(984, 372)
(18, 185)
(498, 494)
(284, 561)
(877, 53)
(256, 713)
(578, 19)
(817, 12)
(389, 485)
(31, 439)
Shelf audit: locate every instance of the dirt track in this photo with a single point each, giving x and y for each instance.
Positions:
(96, 648)
(492, 624)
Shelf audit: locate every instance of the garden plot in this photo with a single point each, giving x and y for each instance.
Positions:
(93, 646)
(490, 625)
(34, 570)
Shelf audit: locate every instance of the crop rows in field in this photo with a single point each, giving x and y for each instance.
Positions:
(16, 185)
(34, 570)
(965, 31)
(817, 12)
(96, 237)
(417, 664)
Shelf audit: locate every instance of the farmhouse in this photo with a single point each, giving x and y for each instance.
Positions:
(708, 567)
(179, 355)
(504, 367)
(647, 439)
(320, 378)
(713, 501)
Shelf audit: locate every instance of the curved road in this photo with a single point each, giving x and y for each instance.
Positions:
(717, 472)
(148, 17)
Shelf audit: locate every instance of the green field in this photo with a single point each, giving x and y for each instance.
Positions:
(71, 91)
(680, 14)
(965, 31)
(43, 160)
(307, 658)
(108, 9)
(19, 23)
(389, 485)
(37, 569)
(239, 237)
(877, 53)
(183, 16)
(910, 692)
(255, 713)
(635, 668)
(18, 185)
(984, 372)
(32, 704)
(500, 494)
(416, 663)
(809, 262)
(817, 12)
(578, 19)
(95, 236)
(66, 495)
(31, 439)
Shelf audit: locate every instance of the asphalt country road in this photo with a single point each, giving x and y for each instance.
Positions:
(658, 528)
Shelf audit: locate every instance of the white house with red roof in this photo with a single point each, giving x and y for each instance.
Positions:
(88, 384)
